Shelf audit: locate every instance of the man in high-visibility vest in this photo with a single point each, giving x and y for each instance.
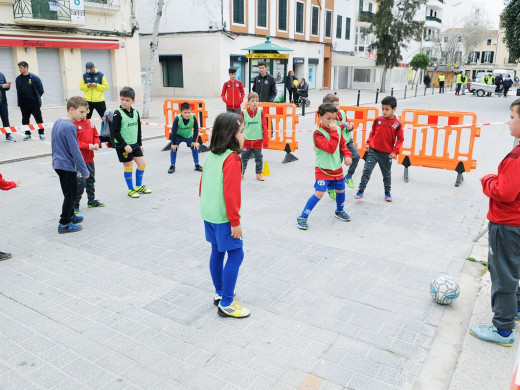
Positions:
(459, 84)
(442, 78)
(464, 84)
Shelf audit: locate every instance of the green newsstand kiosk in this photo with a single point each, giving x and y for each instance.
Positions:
(268, 52)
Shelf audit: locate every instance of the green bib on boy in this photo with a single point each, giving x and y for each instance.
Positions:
(129, 126)
(346, 133)
(185, 131)
(212, 204)
(253, 126)
(326, 160)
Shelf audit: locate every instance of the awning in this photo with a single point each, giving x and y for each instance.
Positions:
(343, 59)
(57, 43)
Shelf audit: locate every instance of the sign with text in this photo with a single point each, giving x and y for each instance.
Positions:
(43, 42)
(77, 11)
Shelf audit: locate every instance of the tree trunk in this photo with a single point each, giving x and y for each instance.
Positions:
(154, 54)
(383, 79)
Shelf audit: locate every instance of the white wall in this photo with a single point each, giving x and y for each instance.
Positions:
(347, 9)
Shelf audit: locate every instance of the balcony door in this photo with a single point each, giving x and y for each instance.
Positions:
(41, 9)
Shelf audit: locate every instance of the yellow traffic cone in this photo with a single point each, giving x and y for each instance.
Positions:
(266, 171)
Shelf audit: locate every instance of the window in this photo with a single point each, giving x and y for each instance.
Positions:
(238, 12)
(261, 13)
(300, 8)
(364, 75)
(488, 42)
(511, 59)
(339, 21)
(474, 56)
(369, 7)
(445, 39)
(328, 23)
(172, 71)
(282, 15)
(459, 39)
(315, 20)
(347, 28)
(487, 57)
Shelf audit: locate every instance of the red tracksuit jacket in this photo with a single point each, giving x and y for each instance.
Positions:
(233, 94)
(87, 134)
(387, 135)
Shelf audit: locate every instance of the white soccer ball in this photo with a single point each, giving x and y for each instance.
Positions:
(444, 290)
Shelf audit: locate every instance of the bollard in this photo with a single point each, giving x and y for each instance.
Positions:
(433, 90)
(405, 87)
(416, 88)
(377, 95)
(358, 96)
(392, 91)
(304, 100)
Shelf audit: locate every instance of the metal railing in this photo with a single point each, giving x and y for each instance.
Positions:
(42, 9)
(366, 16)
(434, 19)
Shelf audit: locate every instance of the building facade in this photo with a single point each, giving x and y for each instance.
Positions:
(56, 38)
(200, 40)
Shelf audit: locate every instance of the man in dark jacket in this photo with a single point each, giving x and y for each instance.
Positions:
(508, 83)
(264, 84)
(29, 89)
(4, 113)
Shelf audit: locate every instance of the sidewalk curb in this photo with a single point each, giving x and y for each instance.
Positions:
(441, 361)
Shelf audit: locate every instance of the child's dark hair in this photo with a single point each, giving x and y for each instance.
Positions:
(515, 105)
(23, 64)
(75, 102)
(389, 101)
(223, 135)
(127, 92)
(330, 98)
(185, 106)
(232, 70)
(326, 107)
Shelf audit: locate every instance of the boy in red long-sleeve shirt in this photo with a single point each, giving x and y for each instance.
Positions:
(233, 93)
(6, 186)
(383, 146)
(88, 140)
(503, 191)
(329, 145)
(256, 135)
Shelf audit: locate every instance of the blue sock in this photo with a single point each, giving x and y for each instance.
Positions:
(139, 172)
(173, 157)
(340, 200)
(313, 201)
(195, 154)
(128, 179)
(216, 266)
(504, 333)
(230, 275)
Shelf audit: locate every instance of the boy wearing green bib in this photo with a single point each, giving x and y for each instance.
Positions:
(256, 135)
(329, 145)
(220, 204)
(126, 129)
(185, 129)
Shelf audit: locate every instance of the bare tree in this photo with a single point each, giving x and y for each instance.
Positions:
(474, 32)
(154, 54)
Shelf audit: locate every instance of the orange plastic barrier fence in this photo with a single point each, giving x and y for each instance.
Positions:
(362, 118)
(172, 107)
(281, 116)
(439, 139)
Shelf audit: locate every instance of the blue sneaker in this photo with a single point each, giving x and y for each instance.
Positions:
(77, 219)
(342, 215)
(302, 223)
(27, 137)
(68, 228)
(388, 197)
(359, 195)
(489, 333)
(42, 137)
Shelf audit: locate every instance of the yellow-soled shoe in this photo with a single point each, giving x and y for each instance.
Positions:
(234, 310)
(143, 190)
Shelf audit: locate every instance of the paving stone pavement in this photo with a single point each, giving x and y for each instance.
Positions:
(127, 302)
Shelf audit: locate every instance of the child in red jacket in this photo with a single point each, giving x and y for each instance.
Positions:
(503, 191)
(383, 146)
(6, 186)
(88, 140)
(233, 93)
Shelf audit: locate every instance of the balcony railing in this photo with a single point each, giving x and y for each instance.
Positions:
(434, 19)
(366, 16)
(42, 9)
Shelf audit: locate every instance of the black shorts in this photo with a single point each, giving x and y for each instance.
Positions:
(136, 152)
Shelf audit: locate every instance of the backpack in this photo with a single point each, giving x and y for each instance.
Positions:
(105, 134)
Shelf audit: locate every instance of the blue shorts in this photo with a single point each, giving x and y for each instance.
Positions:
(180, 140)
(220, 234)
(323, 185)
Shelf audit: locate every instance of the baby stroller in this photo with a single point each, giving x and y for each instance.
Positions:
(300, 97)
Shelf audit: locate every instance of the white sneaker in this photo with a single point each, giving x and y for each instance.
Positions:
(234, 310)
